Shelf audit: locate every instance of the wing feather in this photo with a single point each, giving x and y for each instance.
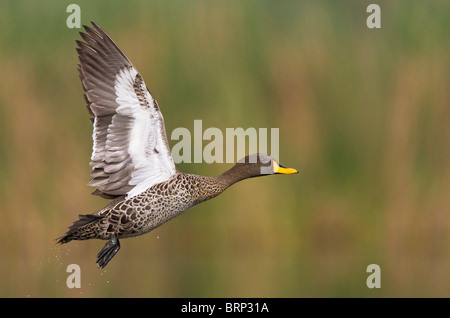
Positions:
(130, 149)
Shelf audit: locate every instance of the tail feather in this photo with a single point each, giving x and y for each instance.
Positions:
(76, 231)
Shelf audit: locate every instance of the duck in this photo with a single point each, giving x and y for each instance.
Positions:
(131, 162)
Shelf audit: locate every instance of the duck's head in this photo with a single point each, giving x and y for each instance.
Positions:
(260, 165)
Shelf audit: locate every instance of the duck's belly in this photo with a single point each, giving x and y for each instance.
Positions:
(144, 212)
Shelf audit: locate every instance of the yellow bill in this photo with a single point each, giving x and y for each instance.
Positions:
(277, 168)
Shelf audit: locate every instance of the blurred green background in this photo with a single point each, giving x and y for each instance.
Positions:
(363, 114)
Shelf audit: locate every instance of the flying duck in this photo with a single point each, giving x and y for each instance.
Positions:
(131, 159)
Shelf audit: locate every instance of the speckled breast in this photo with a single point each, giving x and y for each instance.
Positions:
(158, 204)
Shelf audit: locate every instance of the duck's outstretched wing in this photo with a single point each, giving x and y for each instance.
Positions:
(130, 150)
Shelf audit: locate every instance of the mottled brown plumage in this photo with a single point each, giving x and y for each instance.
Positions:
(131, 161)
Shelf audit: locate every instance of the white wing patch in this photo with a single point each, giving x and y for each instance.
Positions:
(130, 151)
(152, 162)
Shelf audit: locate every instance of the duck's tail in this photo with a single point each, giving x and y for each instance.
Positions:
(86, 227)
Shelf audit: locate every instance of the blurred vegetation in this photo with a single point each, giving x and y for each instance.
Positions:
(363, 114)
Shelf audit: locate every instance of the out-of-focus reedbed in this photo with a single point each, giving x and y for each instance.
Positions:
(362, 113)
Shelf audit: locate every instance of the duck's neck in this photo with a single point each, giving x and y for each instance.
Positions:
(211, 187)
(231, 176)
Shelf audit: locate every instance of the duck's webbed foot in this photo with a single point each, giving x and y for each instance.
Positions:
(108, 251)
